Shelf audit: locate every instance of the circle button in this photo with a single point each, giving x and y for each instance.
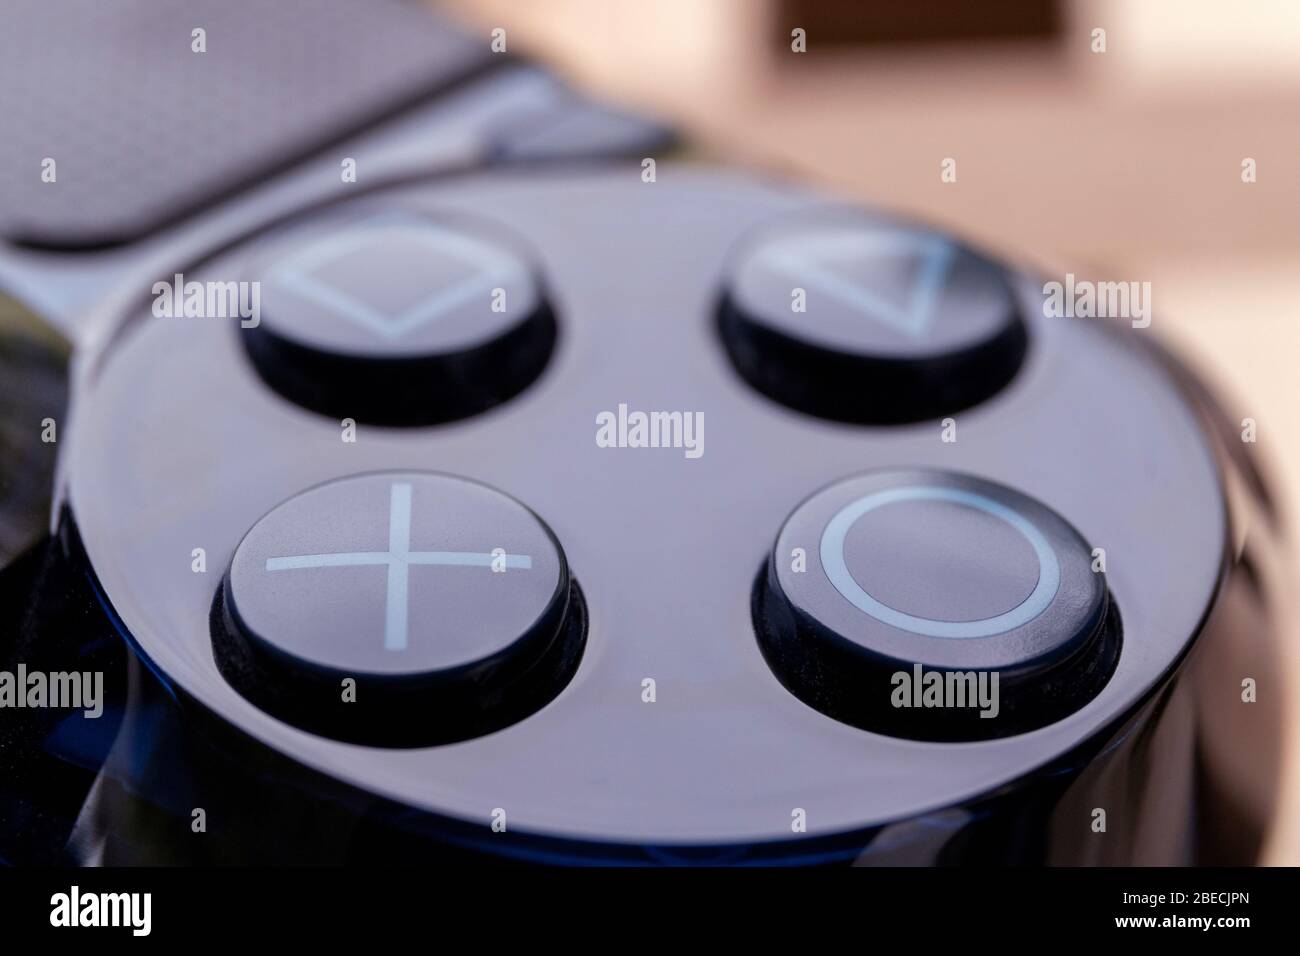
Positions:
(447, 604)
(908, 573)
(398, 320)
(861, 320)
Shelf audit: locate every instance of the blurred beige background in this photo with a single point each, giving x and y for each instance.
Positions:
(1125, 164)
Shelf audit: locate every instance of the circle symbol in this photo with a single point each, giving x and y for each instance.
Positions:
(929, 575)
(832, 556)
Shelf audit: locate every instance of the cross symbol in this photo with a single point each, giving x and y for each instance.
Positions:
(399, 557)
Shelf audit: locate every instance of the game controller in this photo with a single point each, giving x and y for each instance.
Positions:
(563, 514)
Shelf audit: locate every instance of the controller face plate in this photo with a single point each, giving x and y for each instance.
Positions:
(178, 443)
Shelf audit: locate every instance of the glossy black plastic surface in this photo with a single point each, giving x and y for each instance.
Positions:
(179, 444)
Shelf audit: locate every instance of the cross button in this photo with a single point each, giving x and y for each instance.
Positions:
(398, 558)
(337, 615)
(396, 573)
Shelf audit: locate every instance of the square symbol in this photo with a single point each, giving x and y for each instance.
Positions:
(391, 277)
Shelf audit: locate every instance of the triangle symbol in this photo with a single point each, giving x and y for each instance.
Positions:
(812, 262)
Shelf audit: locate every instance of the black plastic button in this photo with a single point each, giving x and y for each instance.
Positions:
(883, 579)
(448, 603)
(866, 321)
(399, 320)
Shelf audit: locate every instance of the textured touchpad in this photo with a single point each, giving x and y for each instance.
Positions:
(142, 128)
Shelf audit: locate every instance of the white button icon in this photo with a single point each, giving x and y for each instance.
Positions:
(398, 559)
